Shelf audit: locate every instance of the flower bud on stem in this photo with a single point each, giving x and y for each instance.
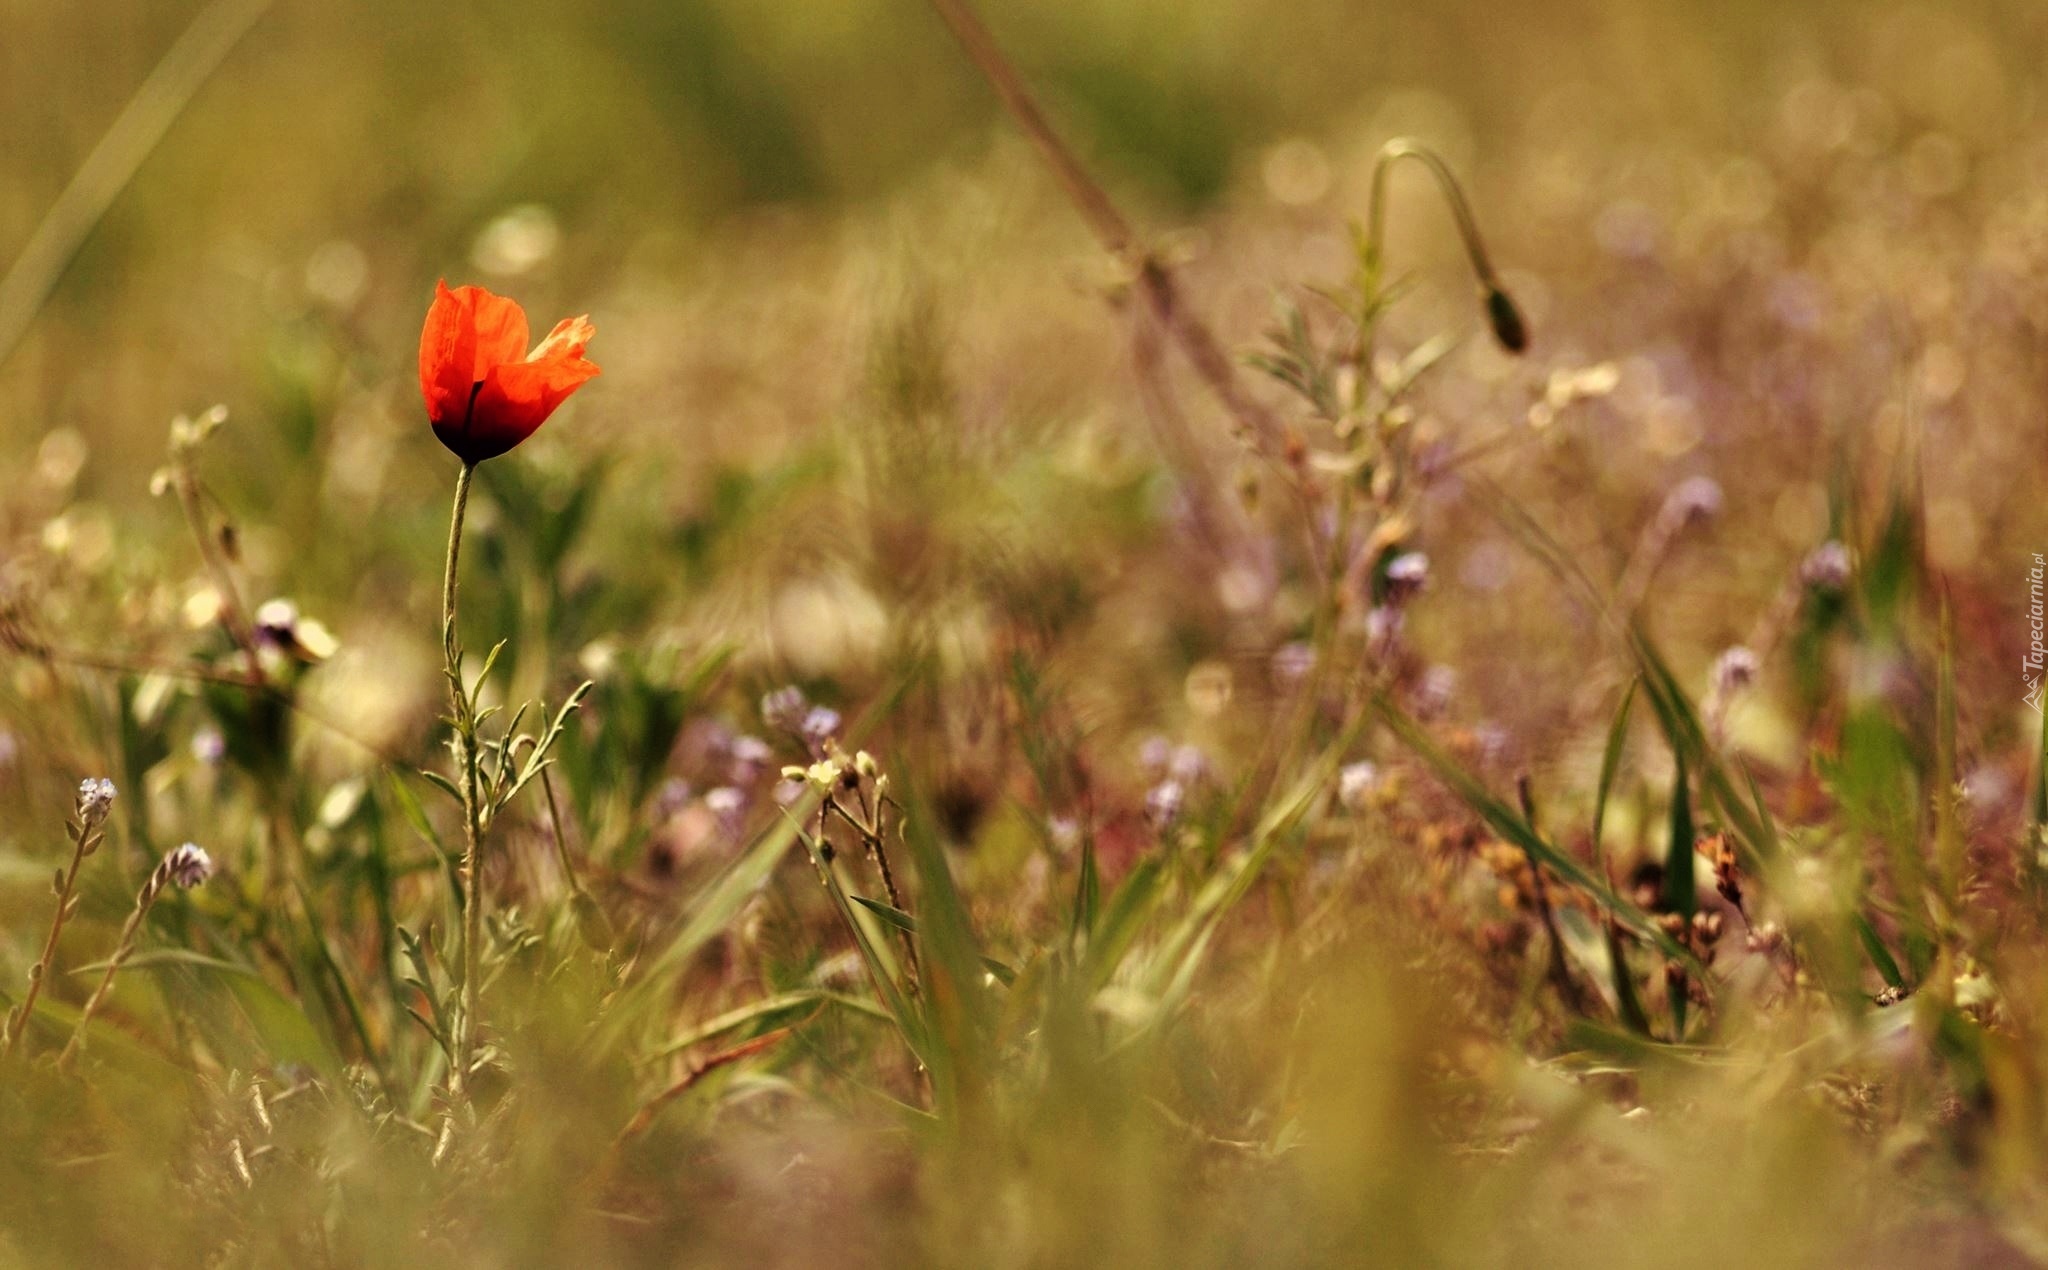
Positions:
(1501, 312)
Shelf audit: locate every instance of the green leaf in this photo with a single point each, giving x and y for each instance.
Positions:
(1681, 878)
(443, 784)
(1610, 763)
(1121, 921)
(894, 916)
(766, 1010)
(1505, 821)
(416, 815)
(1879, 955)
(158, 958)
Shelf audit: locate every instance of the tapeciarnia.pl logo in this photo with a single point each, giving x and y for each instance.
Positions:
(2030, 665)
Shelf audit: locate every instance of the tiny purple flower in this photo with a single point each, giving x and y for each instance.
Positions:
(1826, 567)
(784, 709)
(189, 865)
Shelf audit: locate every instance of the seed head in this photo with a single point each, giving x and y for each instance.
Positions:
(1508, 326)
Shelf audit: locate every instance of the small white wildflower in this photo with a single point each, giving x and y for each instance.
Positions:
(95, 798)
(1407, 574)
(1357, 783)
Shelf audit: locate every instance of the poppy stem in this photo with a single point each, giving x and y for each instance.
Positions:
(463, 719)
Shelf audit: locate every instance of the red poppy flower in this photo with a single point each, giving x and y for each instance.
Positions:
(485, 393)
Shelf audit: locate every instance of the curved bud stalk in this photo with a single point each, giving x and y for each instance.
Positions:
(188, 866)
(1502, 314)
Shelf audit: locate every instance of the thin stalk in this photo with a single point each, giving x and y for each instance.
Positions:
(1152, 278)
(233, 615)
(463, 719)
(83, 842)
(1508, 325)
(158, 879)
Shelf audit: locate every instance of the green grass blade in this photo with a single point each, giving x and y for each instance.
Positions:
(1610, 764)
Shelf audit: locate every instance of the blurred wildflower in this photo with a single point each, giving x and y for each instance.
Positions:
(209, 746)
(1189, 766)
(1292, 663)
(1694, 499)
(1163, 805)
(751, 757)
(820, 724)
(1734, 670)
(1826, 568)
(1356, 785)
(671, 798)
(726, 803)
(485, 393)
(1434, 694)
(1153, 756)
(1493, 742)
(279, 627)
(784, 709)
(1406, 575)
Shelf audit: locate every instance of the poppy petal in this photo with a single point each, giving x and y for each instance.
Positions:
(515, 400)
(500, 332)
(568, 339)
(448, 354)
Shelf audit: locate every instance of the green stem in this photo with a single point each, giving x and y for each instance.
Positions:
(151, 888)
(463, 717)
(82, 843)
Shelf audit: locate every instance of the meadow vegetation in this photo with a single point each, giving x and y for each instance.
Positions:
(1367, 635)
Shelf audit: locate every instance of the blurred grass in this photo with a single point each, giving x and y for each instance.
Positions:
(875, 420)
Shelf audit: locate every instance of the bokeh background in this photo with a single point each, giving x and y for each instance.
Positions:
(873, 399)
